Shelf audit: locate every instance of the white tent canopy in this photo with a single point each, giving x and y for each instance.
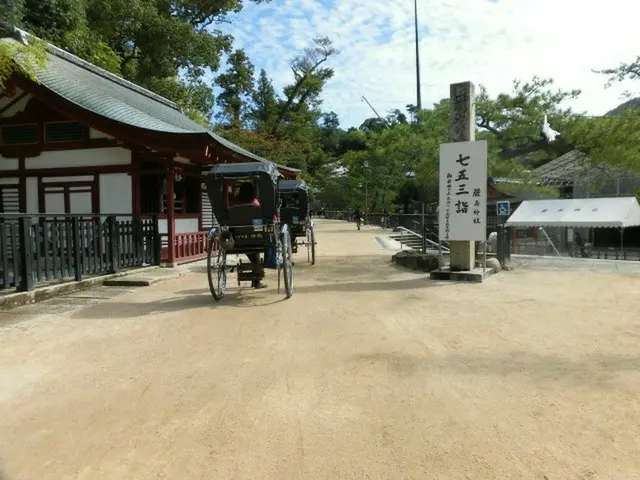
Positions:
(618, 212)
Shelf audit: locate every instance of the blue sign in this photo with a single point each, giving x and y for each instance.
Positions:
(503, 208)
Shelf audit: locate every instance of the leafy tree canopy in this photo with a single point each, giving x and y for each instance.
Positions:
(164, 45)
(22, 59)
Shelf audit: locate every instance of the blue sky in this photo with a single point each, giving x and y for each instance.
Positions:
(489, 42)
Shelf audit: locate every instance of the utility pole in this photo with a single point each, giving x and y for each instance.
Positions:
(418, 108)
(419, 96)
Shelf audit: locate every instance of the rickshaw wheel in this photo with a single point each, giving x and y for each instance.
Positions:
(311, 245)
(216, 270)
(287, 264)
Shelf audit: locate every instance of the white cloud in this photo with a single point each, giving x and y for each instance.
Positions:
(487, 42)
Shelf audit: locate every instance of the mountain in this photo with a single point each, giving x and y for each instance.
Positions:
(634, 103)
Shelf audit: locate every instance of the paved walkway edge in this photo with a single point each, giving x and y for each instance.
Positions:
(13, 300)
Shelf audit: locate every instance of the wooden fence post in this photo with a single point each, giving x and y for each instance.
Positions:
(156, 241)
(113, 247)
(77, 248)
(26, 255)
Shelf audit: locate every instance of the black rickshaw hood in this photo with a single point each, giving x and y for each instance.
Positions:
(247, 168)
(291, 185)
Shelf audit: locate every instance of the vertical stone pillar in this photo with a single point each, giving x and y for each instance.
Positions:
(462, 96)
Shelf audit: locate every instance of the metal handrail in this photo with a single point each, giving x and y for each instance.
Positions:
(429, 241)
(445, 244)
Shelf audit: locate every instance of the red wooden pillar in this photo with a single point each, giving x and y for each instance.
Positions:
(171, 216)
(200, 192)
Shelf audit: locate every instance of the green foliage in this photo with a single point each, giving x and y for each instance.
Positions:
(624, 71)
(170, 47)
(614, 141)
(515, 121)
(615, 138)
(264, 110)
(302, 98)
(11, 11)
(237, 87)
(21, 59)
(165, 45)
(89, 46)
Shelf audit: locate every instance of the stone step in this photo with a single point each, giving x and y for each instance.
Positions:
(410, 240)
(407, 240)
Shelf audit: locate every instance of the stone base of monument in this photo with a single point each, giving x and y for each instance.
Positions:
(474, 276)
(416, 260)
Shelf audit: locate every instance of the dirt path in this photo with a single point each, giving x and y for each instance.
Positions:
(367, 372)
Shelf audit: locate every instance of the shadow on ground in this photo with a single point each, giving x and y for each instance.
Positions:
(597, 370)
(242, 298)
(181, 302)
(338, 268)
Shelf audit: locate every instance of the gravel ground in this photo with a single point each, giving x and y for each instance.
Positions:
(368, 371)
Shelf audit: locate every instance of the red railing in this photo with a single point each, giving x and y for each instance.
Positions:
(187, 247)
(191, 245)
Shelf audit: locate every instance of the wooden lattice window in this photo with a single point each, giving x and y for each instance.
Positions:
(64, 132)
(9, 199)
(25, 134)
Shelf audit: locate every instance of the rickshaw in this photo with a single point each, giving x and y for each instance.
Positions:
(294, 211)
(245, 201)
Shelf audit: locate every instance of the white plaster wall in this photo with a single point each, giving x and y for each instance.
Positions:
(93, 133)
(9, 163)
(17, 108)
(183, 225)
(115, 193)
(81, 158)
(80, 202)
(32, 195)
(54, 203)
(4, 101)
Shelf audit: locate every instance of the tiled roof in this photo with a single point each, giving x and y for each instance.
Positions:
(573, 166)
(101, 92)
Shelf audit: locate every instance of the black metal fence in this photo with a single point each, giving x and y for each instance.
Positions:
(39, 248)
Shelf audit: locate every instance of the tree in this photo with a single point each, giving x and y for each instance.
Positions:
(53, 19)
(396, 117)
(166, 46)
(614, 139)
(265, 104)
(237, 87)
(515, 119)
(330, 133)
(309, 79)
(12, 11)
(18, 58)
(624, 71)
(373, 124)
